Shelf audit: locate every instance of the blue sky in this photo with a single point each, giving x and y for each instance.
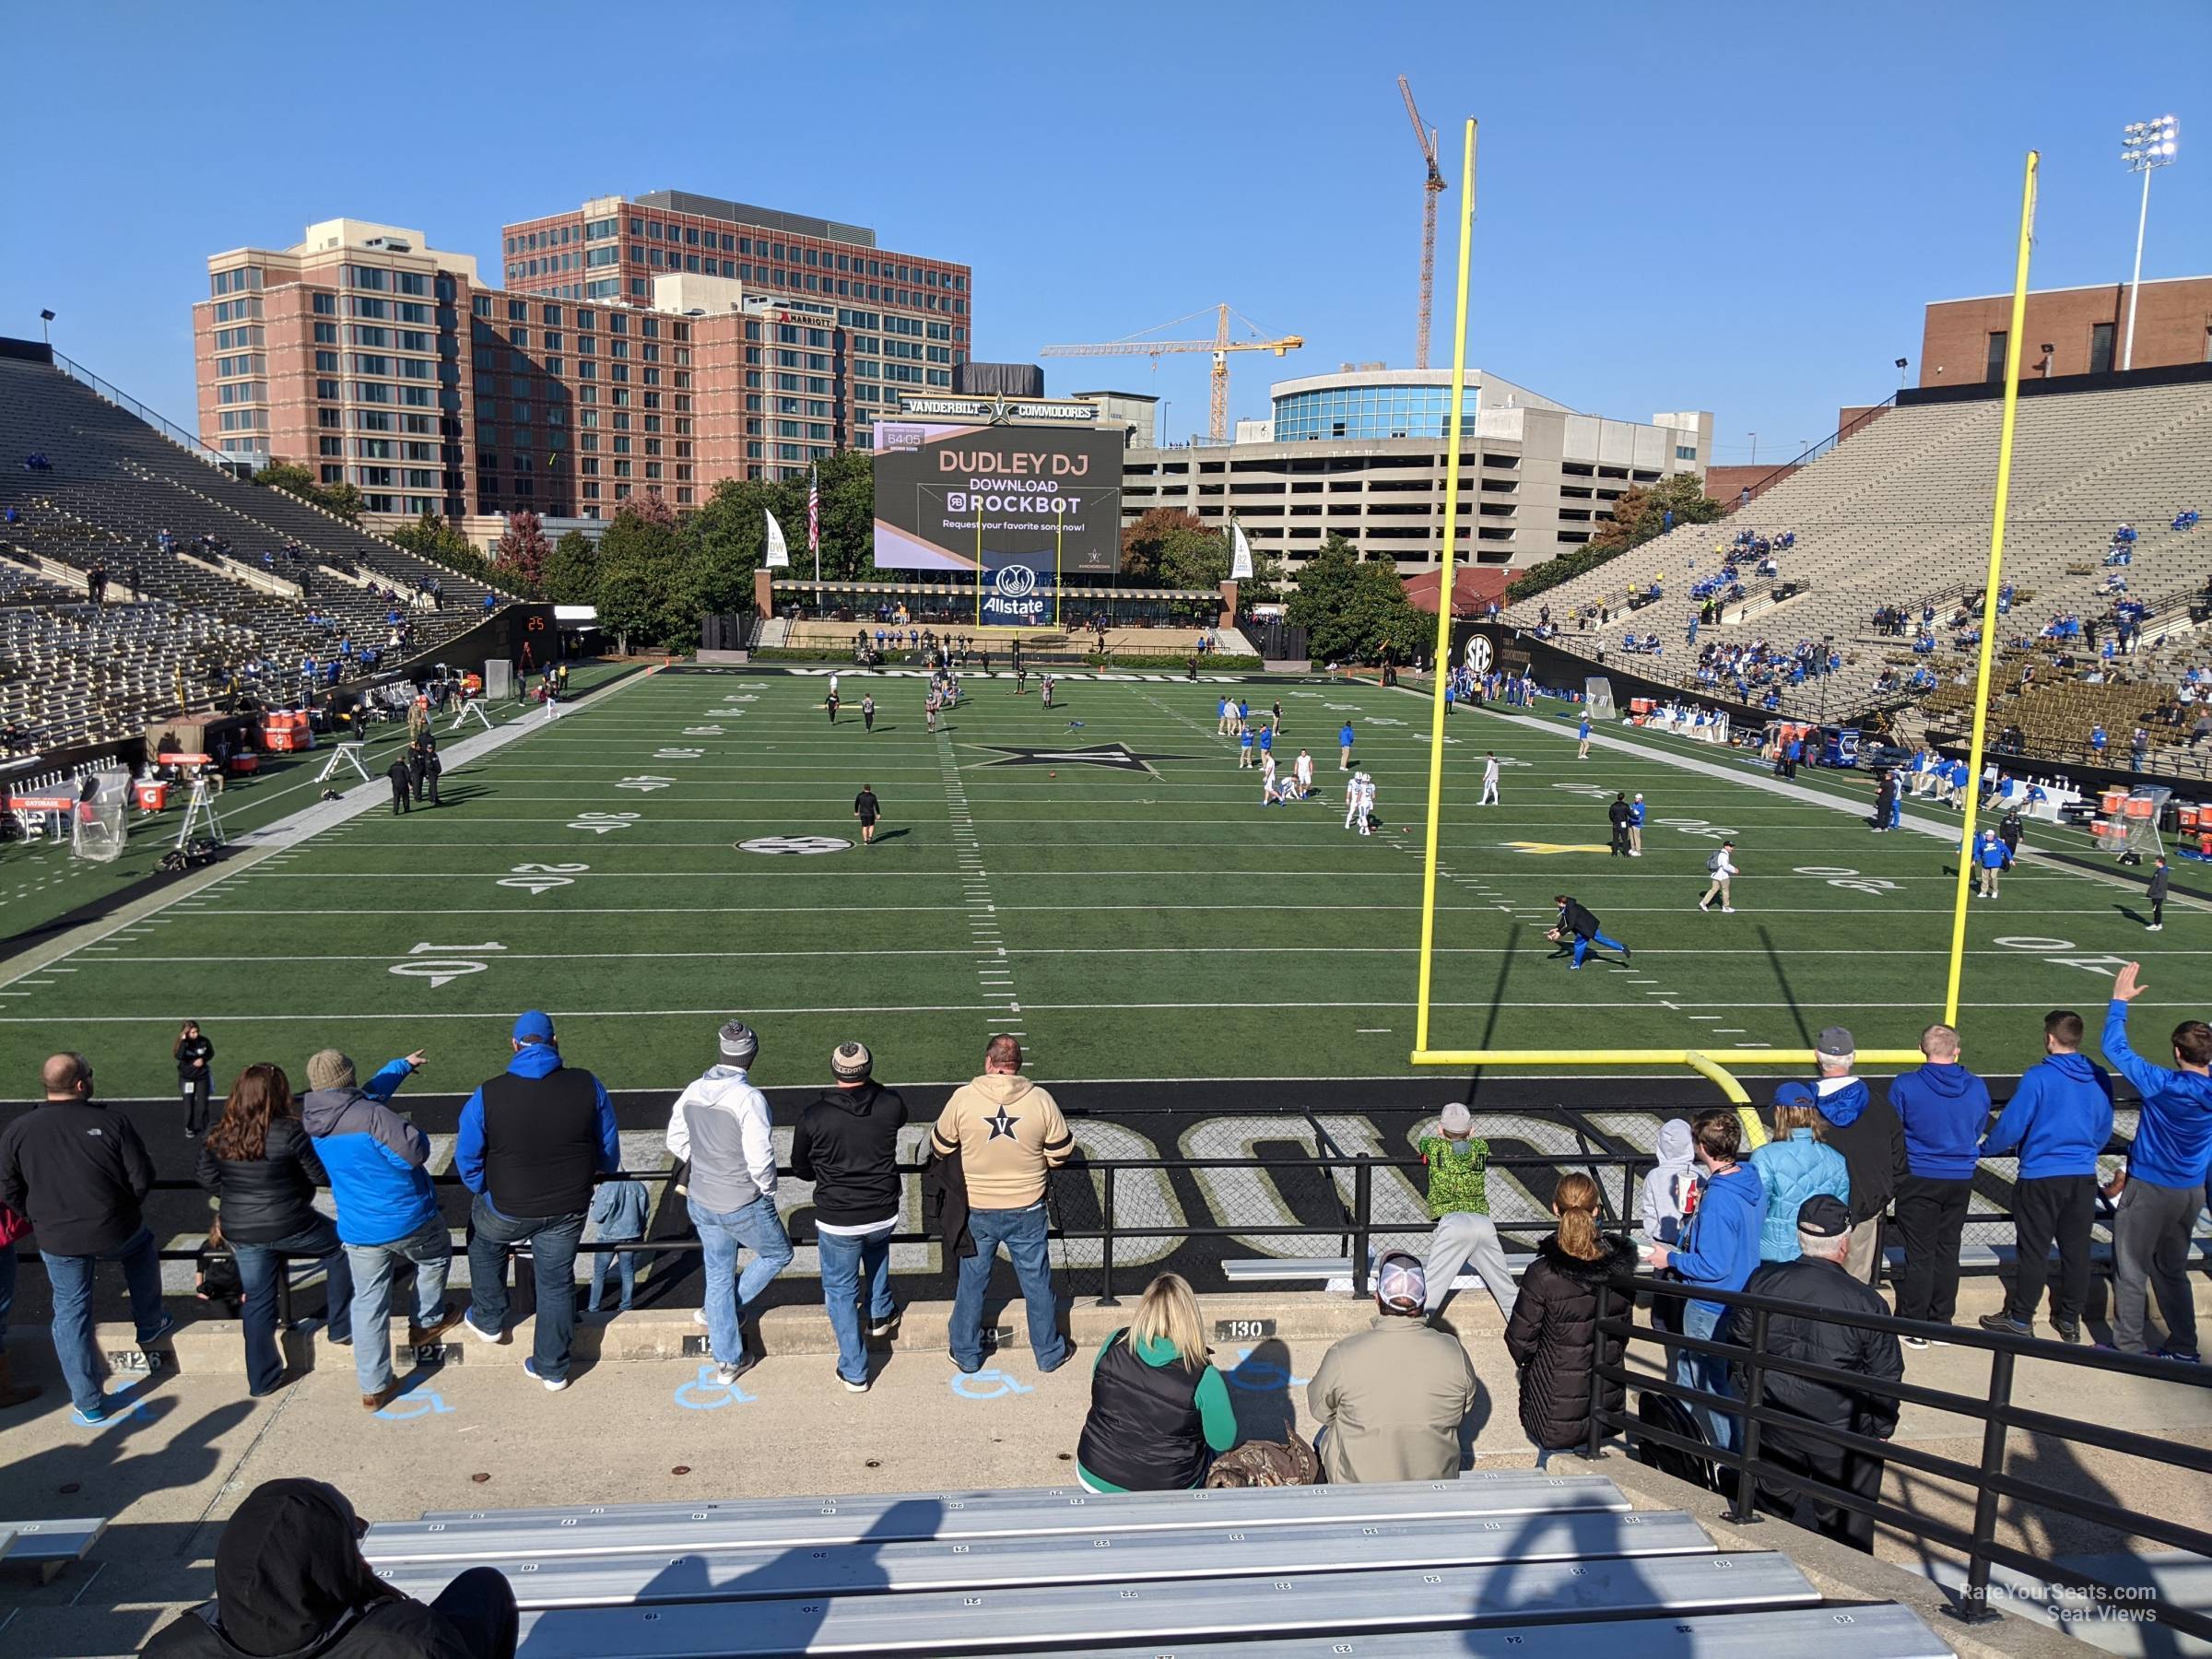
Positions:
(1733, 206)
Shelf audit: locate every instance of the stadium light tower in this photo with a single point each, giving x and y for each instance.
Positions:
(2144, 145)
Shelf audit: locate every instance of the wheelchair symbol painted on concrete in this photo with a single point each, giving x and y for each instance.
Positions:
(703, 1393)
(427, 1404)
(990, 1385)
(1265, 1377)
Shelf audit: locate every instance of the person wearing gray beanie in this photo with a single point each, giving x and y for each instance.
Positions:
(721, 1126)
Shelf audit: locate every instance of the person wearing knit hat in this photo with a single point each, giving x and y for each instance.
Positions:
(1390, 1400)
(1459, 1205)
(387, 1212)
(847, 1144)
(533, 1142)
(721, 1126)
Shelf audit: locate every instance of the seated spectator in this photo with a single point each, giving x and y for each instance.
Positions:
(1793, 1167)
(262, 1168)
(1160, 1412)
(1391, 1400)
(1817, 1279)
(1553, 1335)
(290, 1579)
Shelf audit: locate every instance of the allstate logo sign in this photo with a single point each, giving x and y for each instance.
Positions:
(1013, 599)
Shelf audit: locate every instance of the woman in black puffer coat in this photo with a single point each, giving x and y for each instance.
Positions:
(1552, 1336)
(262, 1168)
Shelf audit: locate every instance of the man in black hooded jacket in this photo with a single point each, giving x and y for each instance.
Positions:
(847, 1144)
(290, 1581)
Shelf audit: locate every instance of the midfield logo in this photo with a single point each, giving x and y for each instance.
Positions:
(1111, 757)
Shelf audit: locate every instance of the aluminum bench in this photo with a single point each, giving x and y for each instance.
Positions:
(49, 1545)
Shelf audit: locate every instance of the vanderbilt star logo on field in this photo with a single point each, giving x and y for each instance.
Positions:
(1112, 756)
(1002, 1125)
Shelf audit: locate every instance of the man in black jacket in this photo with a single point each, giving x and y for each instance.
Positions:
(403, 779)
(1864, 1128)
(1819, 1282)
(423, 767)
(1577, 930)
(847, 1144)
(80, 1172)
(1622, 814)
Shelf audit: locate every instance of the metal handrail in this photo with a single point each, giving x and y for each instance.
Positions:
(1995, 1410)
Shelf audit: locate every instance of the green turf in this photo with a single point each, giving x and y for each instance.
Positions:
(1155, 924)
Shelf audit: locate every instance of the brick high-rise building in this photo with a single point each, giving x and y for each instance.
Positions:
(382, 362)
(907, 319)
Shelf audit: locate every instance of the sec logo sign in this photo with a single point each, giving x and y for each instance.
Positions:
(1478, 653)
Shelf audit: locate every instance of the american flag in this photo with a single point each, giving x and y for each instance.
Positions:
(813, 510)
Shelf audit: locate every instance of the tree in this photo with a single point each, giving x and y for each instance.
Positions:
(572, 571)
(644, 592)
(1170, 546)
(518, 558)
(1355, 610)
(432, 537)
(295, 479)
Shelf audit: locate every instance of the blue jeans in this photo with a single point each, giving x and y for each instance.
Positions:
(848, 1261)
(430, 1248)
(1022, 1232)
(552, 1241)
(1582, 945)
(1708, 1372)
(628, 1260)
(71, 1277)
(729, 1294)
(260, 1268)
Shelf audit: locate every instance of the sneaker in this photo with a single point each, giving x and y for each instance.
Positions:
(885, 1327)
(727, 1374)
(1702, 907)
(1914, 1342)
(1066, 1352)
(553, 1385)
(2004, 1325)
(89, 1419)
(850, 1386)
(2184, 1355)
(167, 1326)
(423, 1336)
(2155, 927)
(1727, 910)
(2068, 1333)
(698, 1318)
(1627, 955)
(468, 1323)
(965, 1371)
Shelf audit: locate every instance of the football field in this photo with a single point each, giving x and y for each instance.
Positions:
(1100, 877)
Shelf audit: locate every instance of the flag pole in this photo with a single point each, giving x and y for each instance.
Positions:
(1989, 591)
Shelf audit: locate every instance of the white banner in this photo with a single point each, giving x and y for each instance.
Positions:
(779, 551)
(1239, 567)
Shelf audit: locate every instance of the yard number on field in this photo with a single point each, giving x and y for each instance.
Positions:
(644, 782)
(599, 823)
(441, 963)
(540, 877)
(678, 754)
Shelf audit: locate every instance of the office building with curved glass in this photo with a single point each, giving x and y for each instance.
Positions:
(1361, 454)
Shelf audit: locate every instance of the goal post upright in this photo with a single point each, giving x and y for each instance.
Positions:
(1454, 421)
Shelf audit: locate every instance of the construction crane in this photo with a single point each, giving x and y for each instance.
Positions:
(1220, 345)
(1431, 189)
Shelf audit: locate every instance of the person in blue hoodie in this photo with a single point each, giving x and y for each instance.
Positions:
(2058, 1121)
(2164, 1186)
(1719, 1251)
(387, 1211)
(533, 1142)
(1865, 1131)
(1943, 1109)
(1793, 1167)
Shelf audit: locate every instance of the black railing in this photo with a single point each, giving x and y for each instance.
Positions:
(1987, 1479)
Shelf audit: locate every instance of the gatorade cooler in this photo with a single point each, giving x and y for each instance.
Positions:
(2111, 801)
(152, 795)
(2140, 809)
(2187, 818)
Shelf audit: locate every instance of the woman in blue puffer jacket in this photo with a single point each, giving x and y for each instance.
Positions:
(1793, 1167)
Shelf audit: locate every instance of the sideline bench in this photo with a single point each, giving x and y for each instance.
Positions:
(50, 1546)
